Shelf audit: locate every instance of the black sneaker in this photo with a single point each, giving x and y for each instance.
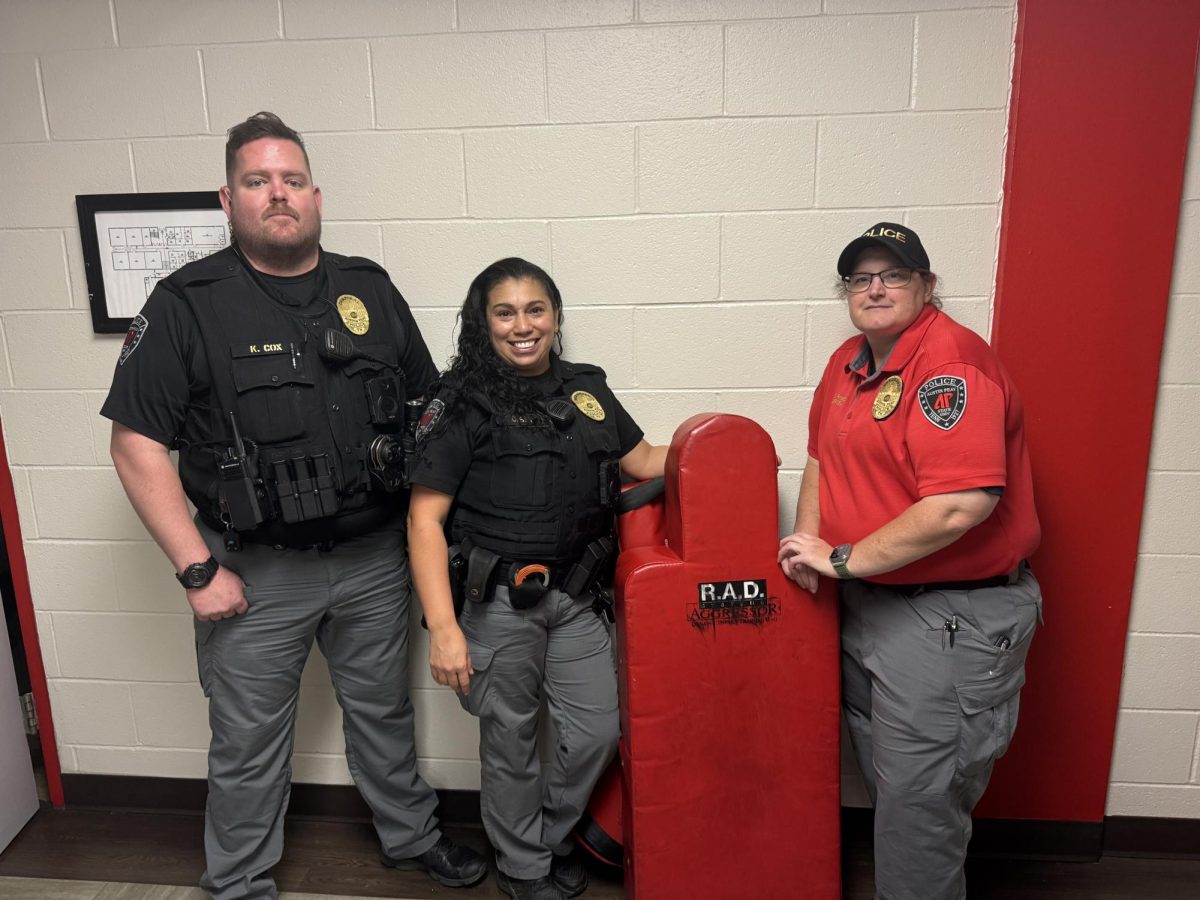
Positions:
(528, 888)
(569, 873)
(445, 862)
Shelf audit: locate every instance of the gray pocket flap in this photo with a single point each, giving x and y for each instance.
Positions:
(481, 655)
(976, 696)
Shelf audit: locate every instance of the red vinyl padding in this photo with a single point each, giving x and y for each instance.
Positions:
(729, 693)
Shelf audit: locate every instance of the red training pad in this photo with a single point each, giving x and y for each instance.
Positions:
(729, 707)
(599, 830)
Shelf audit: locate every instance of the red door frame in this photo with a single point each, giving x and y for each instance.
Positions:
(28, 622)
(1097, 140)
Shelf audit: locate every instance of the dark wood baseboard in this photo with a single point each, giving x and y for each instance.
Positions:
(187, 795)
(1137, 836)
(1149, 837)
(1011, 838)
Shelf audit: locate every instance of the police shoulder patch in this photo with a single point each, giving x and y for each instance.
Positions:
(430, 418)
(133, 337)
(943, 400)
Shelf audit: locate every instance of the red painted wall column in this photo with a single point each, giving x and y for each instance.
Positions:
(1098, 133)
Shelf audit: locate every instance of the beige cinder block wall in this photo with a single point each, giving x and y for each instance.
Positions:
(1156, 760)
(687, 169)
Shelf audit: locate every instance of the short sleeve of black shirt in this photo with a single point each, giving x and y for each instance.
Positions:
(446, 453)
(415, 361)
(153, 379)
(629, 435)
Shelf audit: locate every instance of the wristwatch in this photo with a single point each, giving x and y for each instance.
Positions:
(198, 575)
(838, 558)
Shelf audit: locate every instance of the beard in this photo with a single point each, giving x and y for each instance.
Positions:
(271, 250)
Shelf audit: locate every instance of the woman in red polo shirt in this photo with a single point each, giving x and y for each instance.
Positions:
(917, 495)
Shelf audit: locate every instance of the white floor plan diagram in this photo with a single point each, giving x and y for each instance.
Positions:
(140, 247)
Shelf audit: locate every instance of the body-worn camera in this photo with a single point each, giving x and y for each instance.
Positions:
(384, 393)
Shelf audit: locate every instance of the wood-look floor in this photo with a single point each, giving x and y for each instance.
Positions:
(91, 855)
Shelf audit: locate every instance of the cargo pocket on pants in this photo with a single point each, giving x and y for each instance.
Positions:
(989, 718)
(481, 662)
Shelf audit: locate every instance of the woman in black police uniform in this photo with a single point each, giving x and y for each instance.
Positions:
(520, 452)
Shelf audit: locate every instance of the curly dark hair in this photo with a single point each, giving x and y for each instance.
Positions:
(476, 367)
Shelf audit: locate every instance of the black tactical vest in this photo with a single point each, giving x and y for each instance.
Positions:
(542, 491)
(308, 420)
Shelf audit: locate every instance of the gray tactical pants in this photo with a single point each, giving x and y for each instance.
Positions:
(928, 717)
(561, 648)
(354, 601)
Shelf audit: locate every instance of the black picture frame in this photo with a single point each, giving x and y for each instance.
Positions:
(103, 294)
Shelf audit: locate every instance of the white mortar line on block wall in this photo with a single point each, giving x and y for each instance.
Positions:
(204, 91)
(41, 88)
(545, 74)
(371, 87)
(112, 18)
(912, 74)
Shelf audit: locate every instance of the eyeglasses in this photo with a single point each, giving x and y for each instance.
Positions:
(858, 282)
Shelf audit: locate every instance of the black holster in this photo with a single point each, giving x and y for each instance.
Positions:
(591, 567)
(472, 573)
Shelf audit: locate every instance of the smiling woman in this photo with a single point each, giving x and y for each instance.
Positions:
(917, 484)
(523, 323)
(520, 455)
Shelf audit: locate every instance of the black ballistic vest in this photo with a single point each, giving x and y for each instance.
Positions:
(300, 414)
(538, 491)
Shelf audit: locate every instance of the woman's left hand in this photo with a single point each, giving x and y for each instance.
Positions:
(450, 659)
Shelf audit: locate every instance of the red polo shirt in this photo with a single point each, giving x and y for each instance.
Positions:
(958, 423)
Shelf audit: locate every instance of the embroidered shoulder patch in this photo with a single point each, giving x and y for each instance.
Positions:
(133, 337)
(429, 418)
(943, 400)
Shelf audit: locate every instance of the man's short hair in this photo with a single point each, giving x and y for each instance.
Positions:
(260, 125)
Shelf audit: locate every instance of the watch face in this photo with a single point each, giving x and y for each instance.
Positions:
(198, 575)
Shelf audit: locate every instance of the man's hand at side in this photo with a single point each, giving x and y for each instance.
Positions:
(222, 598)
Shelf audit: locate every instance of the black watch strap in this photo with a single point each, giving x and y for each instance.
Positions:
(198, 575)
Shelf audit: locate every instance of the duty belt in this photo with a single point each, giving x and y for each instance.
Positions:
(478, 571)
(319, 533)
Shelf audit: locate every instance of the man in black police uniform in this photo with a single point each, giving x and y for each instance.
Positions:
(279, 372)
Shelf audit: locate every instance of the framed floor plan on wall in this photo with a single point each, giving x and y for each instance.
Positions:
(131, 241)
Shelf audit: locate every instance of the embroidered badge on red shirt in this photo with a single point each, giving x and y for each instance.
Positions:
(943, 400)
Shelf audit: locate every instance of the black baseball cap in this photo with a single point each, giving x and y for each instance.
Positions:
(899, 240)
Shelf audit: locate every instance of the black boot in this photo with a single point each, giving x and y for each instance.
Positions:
(445, 862)
(528, 888)
(569, 873)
